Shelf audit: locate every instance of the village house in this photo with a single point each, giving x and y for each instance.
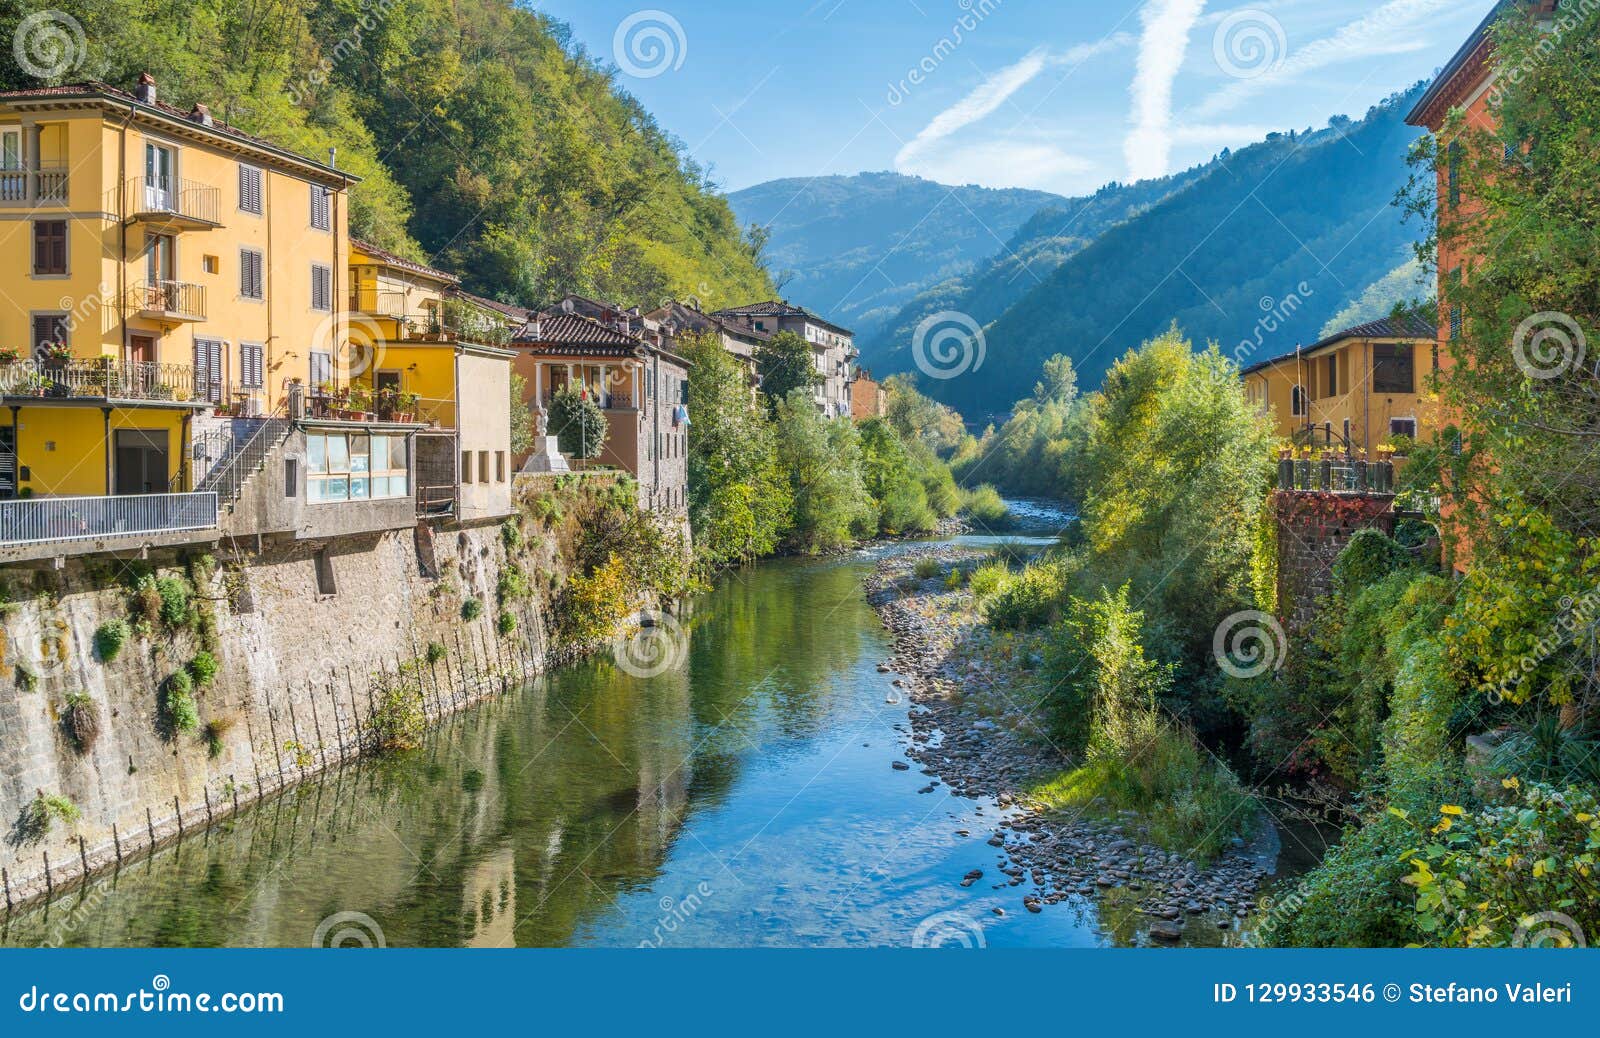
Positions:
(833, 347)
(1355, 391)
(625, 364)
(180, 363)
(868, 398)
(677, 320)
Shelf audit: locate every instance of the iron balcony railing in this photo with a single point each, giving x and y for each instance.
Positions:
(181, 299)
(1336, 476)
(39, 185)
(100, 377)
(48, 520)
(243, 454)
(172, 199)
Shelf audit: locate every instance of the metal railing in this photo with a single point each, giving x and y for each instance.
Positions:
(45, 520)
(158, 197)
(103, 378)
(37, 185)
(243, 457)
(1337, 476)
(177, 298)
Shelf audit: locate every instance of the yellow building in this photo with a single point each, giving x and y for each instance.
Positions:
(418, 361)
(1354, 391)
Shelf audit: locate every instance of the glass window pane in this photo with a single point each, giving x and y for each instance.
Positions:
(360, 488)
(338, 489)
(338, 454)
(398, 486)
(316, 454)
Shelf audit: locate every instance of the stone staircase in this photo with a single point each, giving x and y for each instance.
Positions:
(246, 454)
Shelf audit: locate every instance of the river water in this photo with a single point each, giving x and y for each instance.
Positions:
(744, 797)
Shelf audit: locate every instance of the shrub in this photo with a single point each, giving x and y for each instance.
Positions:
(81, 718)
(178, 705)
(44, 810)
(109, 638)
(398, 718)
(592, 606)
(203, 668)
(985, 508)
(511, 535)
(1370, 556)
(216, 732)
(147, 600)
(506, 623)
(174, 593)
(578, 423)
(1481, 876)
(1356, 898)
(436, 652)
(988, 579)
(955, 578)
(927, 568)
(471, 609)
(1028, 600)
(513, 584)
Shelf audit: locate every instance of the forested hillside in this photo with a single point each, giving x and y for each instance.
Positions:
(489, 142)
(1052, 236)
(860, 248)
(1307, 217)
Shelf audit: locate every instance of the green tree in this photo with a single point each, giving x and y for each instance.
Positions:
(786, 363)
(578, 423)
(823, 461)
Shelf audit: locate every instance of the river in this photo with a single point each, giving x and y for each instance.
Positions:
(745, 797)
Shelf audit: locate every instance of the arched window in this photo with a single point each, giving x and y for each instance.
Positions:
(1297, 402)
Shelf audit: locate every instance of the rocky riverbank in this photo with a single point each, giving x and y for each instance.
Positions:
(972, 732)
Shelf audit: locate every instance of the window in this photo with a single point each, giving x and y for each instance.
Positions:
(320, 215)
(321, 368)
(499, 466)
(251, 356)
(355, 467)
(1403, 427)
(10, 153)
(1455, 323)
(1393, 368)
(249, 189)
(326, 585)
(1453, 174)
(208, 370)
(250, 278)
(1297, 402)
(210, 264)
(466, 466)
(49, 247)
(321, 287)
(483, 466)
(291, 477)
(1333, 375)
(48, 329)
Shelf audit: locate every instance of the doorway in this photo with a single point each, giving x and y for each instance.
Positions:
(143, 462)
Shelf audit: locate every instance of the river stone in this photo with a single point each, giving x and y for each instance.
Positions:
(1167, 933)
(900, 765)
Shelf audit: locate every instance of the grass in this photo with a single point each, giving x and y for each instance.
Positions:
(928, 568)
(81, 718)
(1186, 802)
(984, 507)
(471, 609)
(988, 579)
(109, 639)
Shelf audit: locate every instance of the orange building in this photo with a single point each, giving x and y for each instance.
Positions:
(868, 398)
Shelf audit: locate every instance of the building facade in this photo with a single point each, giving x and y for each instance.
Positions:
(1357, 390)
(868, 398)
(833, 347)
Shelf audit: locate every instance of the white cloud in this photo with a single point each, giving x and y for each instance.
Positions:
(1388, 30)
(1007, 161)
(1167, 24)
(994, 91)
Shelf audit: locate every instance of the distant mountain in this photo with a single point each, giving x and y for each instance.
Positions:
(862, 247)
(1257, 253)
(1406, 284)
(1052, 236)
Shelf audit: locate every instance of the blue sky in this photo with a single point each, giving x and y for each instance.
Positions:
(1061, 95)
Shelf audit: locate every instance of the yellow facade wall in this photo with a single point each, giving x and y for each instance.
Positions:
(64, 448)
(1353, 398)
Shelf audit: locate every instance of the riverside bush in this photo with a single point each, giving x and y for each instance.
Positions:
(399, 717)
(174, 595)
(988, 579)
(81, 718)
(44, 810)
(109, 638)
(985, 508)
(1356, 898)
(178, 705)
(1029, 599)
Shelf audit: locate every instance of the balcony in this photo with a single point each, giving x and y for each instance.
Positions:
(62, 520)
(36, 186)
(102, 378)
(168, 301)
(171, 204)
(1336, 476)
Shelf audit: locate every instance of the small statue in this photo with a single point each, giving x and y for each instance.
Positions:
(541, 422)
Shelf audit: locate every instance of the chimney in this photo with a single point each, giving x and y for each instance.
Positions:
(145, 91)
(201, 115)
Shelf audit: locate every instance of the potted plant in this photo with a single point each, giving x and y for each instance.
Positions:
(407, 404)
(358, 404)
(57, 355)
(9, 357)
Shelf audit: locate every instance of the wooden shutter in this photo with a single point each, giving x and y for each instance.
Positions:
(250, 189)
(321, 287)
(250, 365)
(208, 370)
(319, 207)
(50, 247)
(250, 286)
(48, 329)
